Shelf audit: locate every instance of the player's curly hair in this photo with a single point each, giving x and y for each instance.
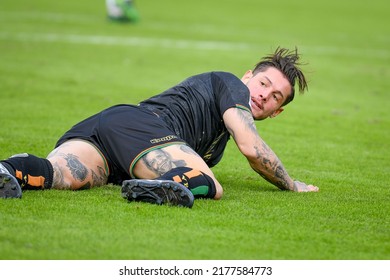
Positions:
(288, 63)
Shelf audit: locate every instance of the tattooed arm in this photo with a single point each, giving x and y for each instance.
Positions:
(261, 158)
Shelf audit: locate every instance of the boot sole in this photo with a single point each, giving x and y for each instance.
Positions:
(9, 186)
(157, 192)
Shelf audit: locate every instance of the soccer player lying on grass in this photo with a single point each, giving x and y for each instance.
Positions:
(161, 150)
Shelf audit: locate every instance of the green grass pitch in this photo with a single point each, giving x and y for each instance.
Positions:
(62, 61)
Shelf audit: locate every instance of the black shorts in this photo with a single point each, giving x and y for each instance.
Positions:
(123, 134)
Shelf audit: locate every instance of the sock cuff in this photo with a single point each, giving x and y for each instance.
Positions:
(49, 173)
(30, 170)
(198, 182)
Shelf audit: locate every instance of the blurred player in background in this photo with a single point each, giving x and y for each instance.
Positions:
(122, 10)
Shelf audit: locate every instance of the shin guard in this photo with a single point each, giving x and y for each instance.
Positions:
(199, 183)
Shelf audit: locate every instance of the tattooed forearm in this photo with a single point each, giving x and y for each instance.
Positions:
(273, 170)
(262, 159)
(283, 176)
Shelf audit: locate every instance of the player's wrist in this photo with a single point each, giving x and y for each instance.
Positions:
(295, 186)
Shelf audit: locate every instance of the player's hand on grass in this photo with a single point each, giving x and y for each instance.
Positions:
(302, 187)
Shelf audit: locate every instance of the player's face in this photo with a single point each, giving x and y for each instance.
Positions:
(268, 90)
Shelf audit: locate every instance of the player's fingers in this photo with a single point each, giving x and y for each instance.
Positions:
(313, 188)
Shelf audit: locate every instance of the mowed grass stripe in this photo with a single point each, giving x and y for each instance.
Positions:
(181, 44)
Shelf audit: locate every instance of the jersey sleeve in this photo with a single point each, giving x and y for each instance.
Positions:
(230, 92)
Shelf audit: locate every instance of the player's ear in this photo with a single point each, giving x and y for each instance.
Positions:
(277, 112)
(248, 74)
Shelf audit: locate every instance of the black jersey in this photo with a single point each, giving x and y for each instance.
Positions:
(194, 108)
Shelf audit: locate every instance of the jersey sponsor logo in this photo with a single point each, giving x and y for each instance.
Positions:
(163, 139)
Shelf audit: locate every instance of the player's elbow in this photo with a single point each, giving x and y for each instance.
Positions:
(252, 157)
(248, 151)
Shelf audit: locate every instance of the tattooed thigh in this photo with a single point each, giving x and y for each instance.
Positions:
(72, 173)
(160, 161)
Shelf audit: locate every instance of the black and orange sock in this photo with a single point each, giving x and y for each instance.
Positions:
(30, 171)
(199, 183)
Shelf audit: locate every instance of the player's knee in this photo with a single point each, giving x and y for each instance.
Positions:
(64, 179)
(218, 191)
(78, 186)
(77, 165)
